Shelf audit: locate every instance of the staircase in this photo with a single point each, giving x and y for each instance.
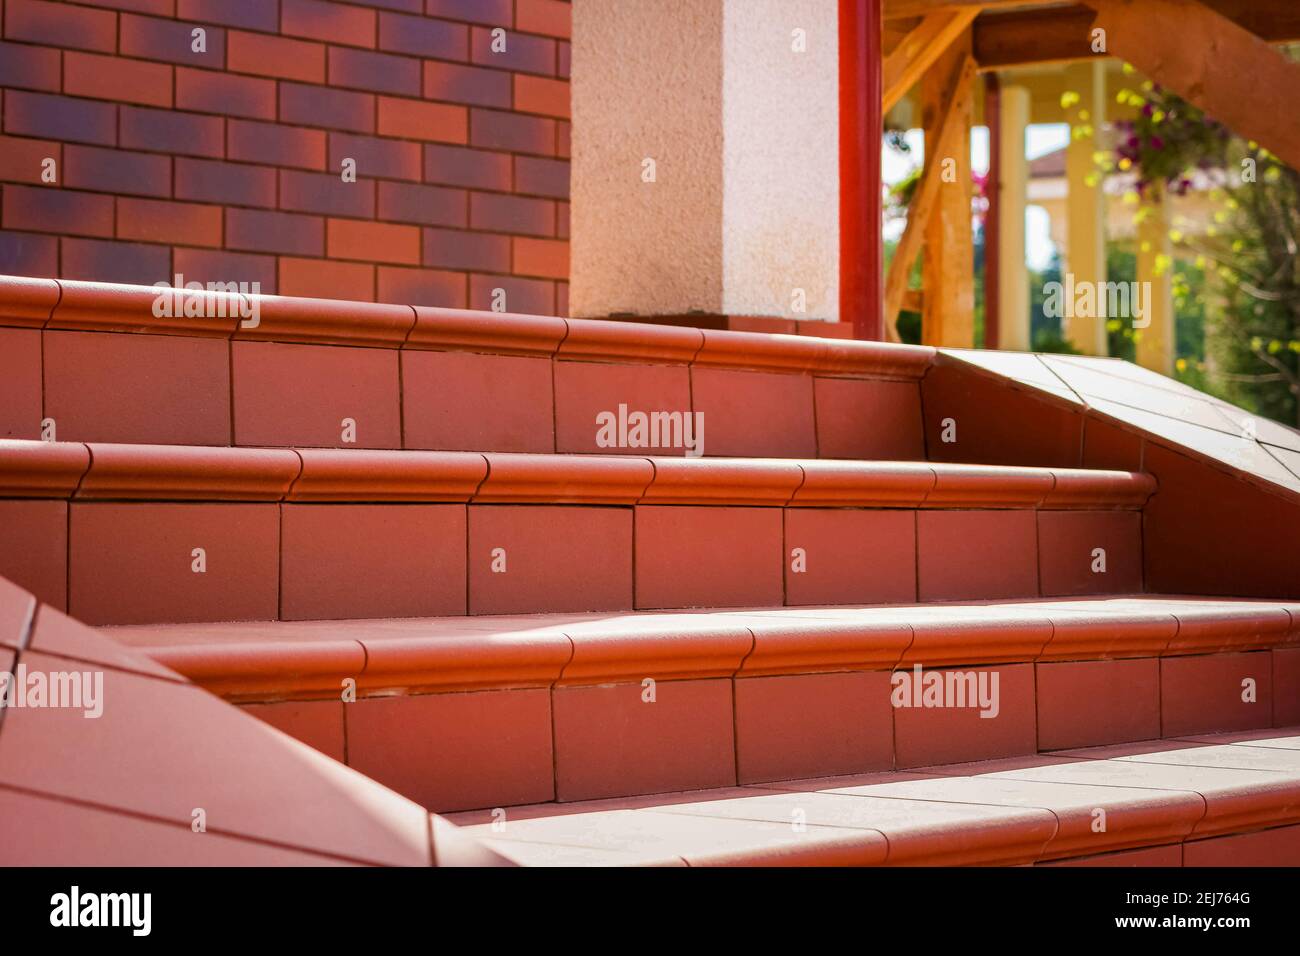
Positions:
(612, 593)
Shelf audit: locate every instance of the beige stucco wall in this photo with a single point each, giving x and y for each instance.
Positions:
(744, 134)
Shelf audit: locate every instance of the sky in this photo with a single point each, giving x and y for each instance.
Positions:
(1040, 139)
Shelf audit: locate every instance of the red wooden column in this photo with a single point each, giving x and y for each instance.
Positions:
(861, 135)
(992, 191)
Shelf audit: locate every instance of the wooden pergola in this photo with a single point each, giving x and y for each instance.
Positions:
(1218, 54)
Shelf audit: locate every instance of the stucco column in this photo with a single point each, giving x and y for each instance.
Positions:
(1085, 244)
(1013, 274)
(705, 171)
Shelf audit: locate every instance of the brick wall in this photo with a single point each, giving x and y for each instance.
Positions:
(225, 165)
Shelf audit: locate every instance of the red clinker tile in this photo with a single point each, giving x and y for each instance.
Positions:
(328, 279)
(812, 725)
(117, 78)
(584, 390)
(153, 220)
(531, 54)
(380, 72)
(512, 131)
(46, 209)
(22, 160)
(61, 25)
(210, 92)
(159, 389)
(551, 17)
(976, 555)
(278, 145)
(610, 742)
(34, 548)
(132, 563)
(1286, 686)
(1066, 544)
(288, 394)
(309, 105)
(1203, 694)
(258, 231)
(864, 419)
(466, 84)
(557, 558)
(535, 94)
(456, 166)
(20, 383)
(333, 22)
(690, 556)
(275, 56)
(464, 401)
(422, 287)
(939, 735)
(413, 119)
(1092, 703)
(153, 38)
(60, 117)
(456, 751)
(544, 258)
(1107, 446)
(371, 561)
(317, 723)
(851, 556)
(1279, 846)
(423, 36)
(1147, 856)
(381, 241)
(752, 414)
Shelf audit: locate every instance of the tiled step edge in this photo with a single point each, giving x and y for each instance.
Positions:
(310, 660)
(71, 470)
(112, 307)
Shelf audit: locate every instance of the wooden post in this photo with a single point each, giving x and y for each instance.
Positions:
(861, 141)
(948, 262)
(1155, 266)
(992, 225)
(1085, 249)
(1013, 190)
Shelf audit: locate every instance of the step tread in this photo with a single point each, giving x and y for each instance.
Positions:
(1003, 812)
(107, 471)
(309, 658)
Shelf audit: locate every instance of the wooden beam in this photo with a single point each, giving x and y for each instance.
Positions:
(922, 204)
(896, 9)
(1226, 70)
(920, 48)
(1062, 34)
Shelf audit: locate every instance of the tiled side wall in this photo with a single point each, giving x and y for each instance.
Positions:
(227, 165)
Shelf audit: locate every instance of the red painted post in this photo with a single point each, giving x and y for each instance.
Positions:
(861, 136)
(992, 190)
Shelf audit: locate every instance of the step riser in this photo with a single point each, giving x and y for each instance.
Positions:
(493, 748)
(135, 562)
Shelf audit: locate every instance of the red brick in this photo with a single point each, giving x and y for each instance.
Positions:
(286, 232)
(1203, 694)
(466, 84)
(422, 287)
(551, 17)
(326, 279)
(463, 401)
(30, 67)
(288, 395)
(534, 94)
(326, 193)
(532, 296)
(133, 564)
(545, 258)
(239, 184)
(428, 205)
(542, 177)
(211, 92)
(951, 734)
(563, 59)
(976, 555)
(387, 158)
(209, 265)
(34, 546)
(813, 725)
(610, 742)
(116, 78)
(453, 249)
(563, 132)
(101, 260)
(755, 413)
(558, 558)
(27, 254)
(22, 160)
(412, 119)
(532, 217)
(512, 131)
(275, 144)
(111, 170)
(381, 72)
(152, 220)
(153, 389)
(851, 556)
(456, 751)
(60, 117)
(173, 132)
(334, 22)
(323, 106)
(371, 561)
(59, 24)
(317, 723)
(466, 167)
(689, 556)
(253, 14)
(275, 56)
(151, 38)
(20, 383)
(496, 12)
(1067, 540)
(49, 209)
(1092, 703)
(530, 54)
(375, 241)
(863, 419)
(423, 36)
